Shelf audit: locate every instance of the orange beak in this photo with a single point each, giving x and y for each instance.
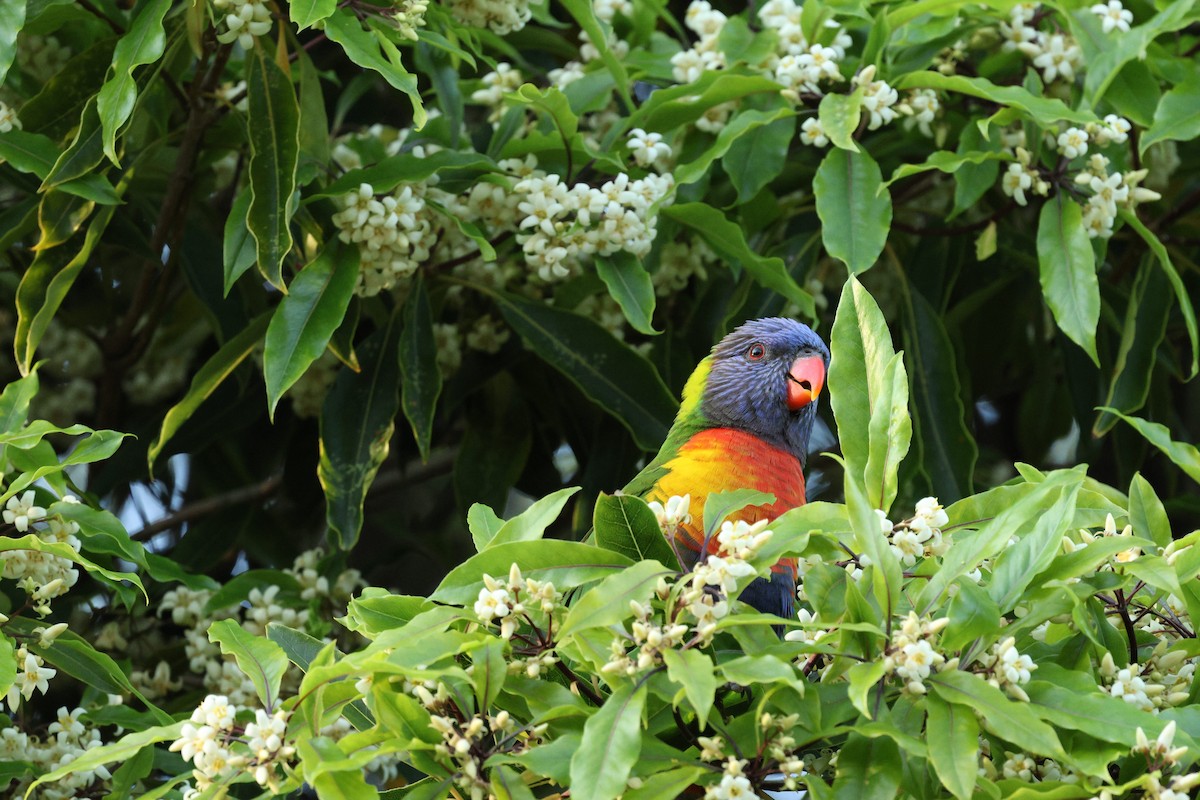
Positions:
(805, 380)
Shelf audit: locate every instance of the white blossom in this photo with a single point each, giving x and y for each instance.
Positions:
(1113, 16)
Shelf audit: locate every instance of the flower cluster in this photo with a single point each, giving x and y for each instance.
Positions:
(67, 738)
(409, 17)
(521, 603)
(913, 654)
(1109, 193)
(1055, 54)
(501, 16)
(219, 747)
(920, 536)
(706, 22)
(392, 233)
(242, 21)
(42, 576)
(469, 743)
(1007, 668)
(8, 118)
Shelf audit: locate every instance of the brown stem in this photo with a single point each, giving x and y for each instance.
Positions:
(463, 259)
(584, 689)
(210, 505)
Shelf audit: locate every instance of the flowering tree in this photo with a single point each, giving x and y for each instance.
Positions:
(514, 228)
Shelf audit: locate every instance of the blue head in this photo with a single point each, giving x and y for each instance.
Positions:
(764, 378)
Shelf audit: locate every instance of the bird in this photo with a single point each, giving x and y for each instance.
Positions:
(744, 423)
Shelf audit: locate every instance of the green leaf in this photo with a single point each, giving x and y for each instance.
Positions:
(237, 250)
(758, 157)
(299, 647)
(1008, 719)
(44, 287)
(1182, 454)
(584, 14)
(8, 663)
(121, 750)
(612, 740)
(406, 168)
(693, 672)
(1146, 512)
(60, 215)
(261, 660)
(867, 769)
(207, 379)
(273, 122)
(1044, 111)
(1177, 117)
(143, 43)
(357, 422)
(1132, 45)
(676, 106)
(854, 206)
(14, 402)
(37, 154)
(630, 285)
(421, 378)
(740, 125)
(862, 678)
(607, 603)
(890, 434)
(553, 103)
(839, 115)
(12, 19)
(85, 152)
(858, 382)
(606, 370)
(344, 785)
(306, 318)
(946, 161)
(1016, 567)
(489, 672)
(973, 614)
(1067, 269)
(374, 53)
(626, 525)
(954, 733)
(719, 505)
(484, 524)
(886, 577)
(752, 670)
(728, 240)
(1181, 292)
(567, 564)
(1095, 713)
(668, 783)
(307, 13)
(531, 523)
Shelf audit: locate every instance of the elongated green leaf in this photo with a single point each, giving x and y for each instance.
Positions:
(867, 769)
(630, 285)
(945, 161)
(613, 376)
(585, 16)
(670, 108)
(237, 250)
(14, 402)
(12, 19)
(407, 168)
(531, 523)
(1044, 110)
(973, 614)
(862, 349)
(62, 550)
(422, 379)
(261, 660)
(886, 577)
(124, 748)
(357, 422)
(44, 287)
(1067, 269)
(854, 206)
(307, 13)
(954, 733)
(739, 126)
(553, 103)
(1017, 566)
(37, 154)
(693, 672)
(274, 125)
(207, 379)
(890, 434)
(1181, 293)
(729, 241)
(862, 678)
(306, 318)
(8, 662)
(720, 505)
(96, 447)
(758, 157)
(1146, 512)
(1006, 718)
(612, 740)
(60, 215)
(374, 52)
(1177, 117)
(839, 115)
(85, 152)
(626, 525)
(484, 524)
(608, 602)
(1132, 45)
(143, 43)
(1182, 454)
(1096, 713)
(567, 564)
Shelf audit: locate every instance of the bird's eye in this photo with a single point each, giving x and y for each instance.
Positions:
(756, 351)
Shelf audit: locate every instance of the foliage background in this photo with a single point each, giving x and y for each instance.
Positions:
(168, 180)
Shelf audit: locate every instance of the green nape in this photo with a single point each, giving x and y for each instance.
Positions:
(688, 421)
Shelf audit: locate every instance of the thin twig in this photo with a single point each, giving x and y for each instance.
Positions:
(210, 505)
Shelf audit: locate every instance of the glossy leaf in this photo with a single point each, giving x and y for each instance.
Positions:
(606, 370)
(739, 126)
(608, 602)
(85, 152)
(60, 215)
(12, 19)
(584, 15)
(309, 12)
(1177, 117)
(207, 379)
(374, 53)
(484, 524)
(854, 206)
(1132, 45)
(44, 287)
(1008, 719)
(630, 285)
(1183, 455)
(757, 158)
(421, 377)
(867, 769)
(143, 43)
(531, 523)
(124, 748)
(37, 154)
(612, 740)
(1067, 269)
(890, 433)
(692, 671)
(261, 660)
(14, 402)
(357, 422)
(567, 564)
(1045, 111)
(274, 128)
(238, 249)
(1016, 567)
(954, 732)
(306, 318)
(729, 241)
(1147, 514)
(839, 115)
(945, 161)
(626, 525)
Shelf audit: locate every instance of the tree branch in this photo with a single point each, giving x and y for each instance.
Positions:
(210, 505)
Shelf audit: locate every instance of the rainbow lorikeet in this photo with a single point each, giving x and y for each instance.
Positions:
(744, 423)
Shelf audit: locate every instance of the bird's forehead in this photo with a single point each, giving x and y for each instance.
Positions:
(777, 331)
